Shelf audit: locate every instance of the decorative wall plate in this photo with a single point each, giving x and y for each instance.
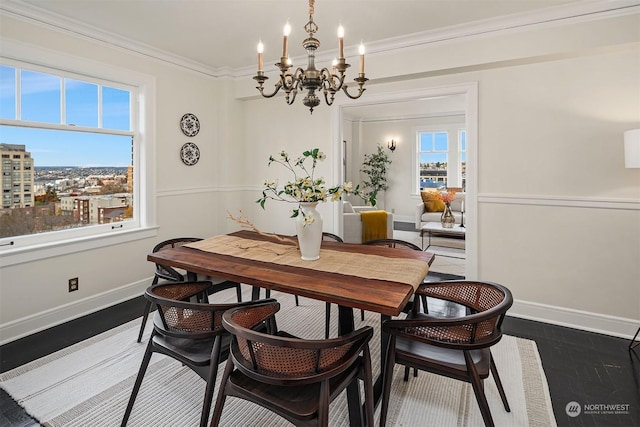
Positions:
(190, 154)
(189, 124)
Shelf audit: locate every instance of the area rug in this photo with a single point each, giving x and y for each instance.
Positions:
(88, 384)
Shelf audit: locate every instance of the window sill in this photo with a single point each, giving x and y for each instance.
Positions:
(49, 250)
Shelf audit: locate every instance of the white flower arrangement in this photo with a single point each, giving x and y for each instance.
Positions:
(304, 187)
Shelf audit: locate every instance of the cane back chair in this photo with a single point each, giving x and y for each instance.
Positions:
(190, 332)
(165, 272)
(293, 377)
(458, 347)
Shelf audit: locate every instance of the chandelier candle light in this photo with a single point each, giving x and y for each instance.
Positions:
(311, 79)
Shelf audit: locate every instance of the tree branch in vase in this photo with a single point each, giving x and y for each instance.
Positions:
(247, 224)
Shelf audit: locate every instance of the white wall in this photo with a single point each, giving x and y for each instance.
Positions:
(558, 215)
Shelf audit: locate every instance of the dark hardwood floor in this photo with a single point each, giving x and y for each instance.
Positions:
(583, 367)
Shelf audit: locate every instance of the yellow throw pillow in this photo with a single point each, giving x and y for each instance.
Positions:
(431, 201)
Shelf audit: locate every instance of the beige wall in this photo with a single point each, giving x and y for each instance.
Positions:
(558, 215)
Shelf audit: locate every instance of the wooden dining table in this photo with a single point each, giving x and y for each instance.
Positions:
(373, 278)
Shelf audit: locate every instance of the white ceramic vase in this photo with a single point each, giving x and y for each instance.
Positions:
(310, 234)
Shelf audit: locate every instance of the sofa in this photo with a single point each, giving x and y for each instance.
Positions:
(422, 216)
(352, 222)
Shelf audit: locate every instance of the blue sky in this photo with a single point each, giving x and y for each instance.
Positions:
(41, 102)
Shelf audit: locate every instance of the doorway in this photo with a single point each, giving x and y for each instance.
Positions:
(389, 106)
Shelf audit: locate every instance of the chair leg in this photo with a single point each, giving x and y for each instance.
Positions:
(362, 315)
(386, 380)
(239, 292)
(632, 343)
(496, 378)
(217, 410)
(327, 319)
(297, 301)
(147, 309)
(478, 389)
(136, 387)
(323, 404)
(211, 381)
(369, 406)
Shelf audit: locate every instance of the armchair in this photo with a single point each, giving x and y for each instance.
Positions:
(352, 222)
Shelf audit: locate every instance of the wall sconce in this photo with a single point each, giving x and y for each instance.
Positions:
(391, 145)
(632, 148)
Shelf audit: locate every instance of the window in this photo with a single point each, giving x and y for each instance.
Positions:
(90, 162)
(71, 145)
(433, 149)
(440, 157)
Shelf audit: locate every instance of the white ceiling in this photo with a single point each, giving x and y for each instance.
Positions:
(219, 34)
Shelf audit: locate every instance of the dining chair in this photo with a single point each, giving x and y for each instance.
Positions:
(459, 347)
(293, 377)
(170, 274)
(190, 332)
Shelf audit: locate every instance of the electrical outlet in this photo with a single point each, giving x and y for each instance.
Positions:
(73, 284)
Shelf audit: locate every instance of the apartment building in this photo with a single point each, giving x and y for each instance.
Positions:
(17, 176)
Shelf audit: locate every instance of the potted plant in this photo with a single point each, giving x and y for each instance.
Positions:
(375, 167)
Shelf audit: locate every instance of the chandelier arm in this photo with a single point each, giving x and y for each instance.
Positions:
(328, 100)
(270, 95)
(360, 92)
(330, 78)
(292, 90)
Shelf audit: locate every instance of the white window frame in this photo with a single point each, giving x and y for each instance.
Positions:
(454, 175)
(432, 130)
(21, 249)
(460, 151)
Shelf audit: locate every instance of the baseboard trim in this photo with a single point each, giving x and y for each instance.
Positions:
(576, 319)
(20, 328)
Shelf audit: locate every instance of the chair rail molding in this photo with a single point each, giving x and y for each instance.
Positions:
(565, 201)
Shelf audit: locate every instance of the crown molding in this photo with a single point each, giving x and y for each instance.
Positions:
(557, 15)
(63, 24)
(582, 11)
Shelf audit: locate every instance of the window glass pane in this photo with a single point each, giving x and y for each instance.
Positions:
(74, 179)
(7, 92)
(463, 147)
(115, 108)
(81, 102)
(441, 141)
(40, 97)
(426, 141)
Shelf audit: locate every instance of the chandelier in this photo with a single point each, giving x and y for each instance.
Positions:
(312, 80)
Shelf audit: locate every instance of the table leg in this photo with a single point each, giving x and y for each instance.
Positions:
(255, 293)
(384, 343)
(346, 325)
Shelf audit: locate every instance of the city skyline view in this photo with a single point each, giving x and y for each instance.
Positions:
(71, 149)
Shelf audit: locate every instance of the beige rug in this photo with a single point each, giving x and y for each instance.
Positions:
(89, 384)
